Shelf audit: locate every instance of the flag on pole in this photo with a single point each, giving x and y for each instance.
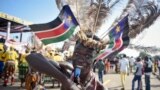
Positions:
(119, 39)
(57, 30)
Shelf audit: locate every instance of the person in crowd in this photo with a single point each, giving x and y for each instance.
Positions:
(94, 65)
(32, 78)
(138, 74)
(2, 39)
(107, 65)
(10, 56)
(124, 70)
(112, 64)
(1, 59)
(100, 66)
(57, 56)
(159, 67)
(116, 65)
(131, 63)
(23, 67)
(155, 66)
(48, 53)
(82, 77)
(147, 71)
(105, 69)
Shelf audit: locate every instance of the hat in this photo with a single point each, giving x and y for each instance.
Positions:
(90, 41)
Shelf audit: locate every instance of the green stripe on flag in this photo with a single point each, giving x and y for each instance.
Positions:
(111, 43)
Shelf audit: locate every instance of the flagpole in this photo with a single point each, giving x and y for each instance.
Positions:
(77, 11)
(20, 37)
(94, 27)
(114, 24)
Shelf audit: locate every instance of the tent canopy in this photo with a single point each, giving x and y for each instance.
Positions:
(16, 23)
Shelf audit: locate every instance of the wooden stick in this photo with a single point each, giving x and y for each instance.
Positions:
(93, 31)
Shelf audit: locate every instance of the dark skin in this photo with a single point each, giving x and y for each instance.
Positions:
(82, 57)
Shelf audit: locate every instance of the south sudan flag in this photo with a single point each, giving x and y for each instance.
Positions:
(57, 30)
(119, 39)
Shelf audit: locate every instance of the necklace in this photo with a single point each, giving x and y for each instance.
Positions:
(86, 83)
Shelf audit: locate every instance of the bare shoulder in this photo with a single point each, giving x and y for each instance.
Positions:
(100, 86)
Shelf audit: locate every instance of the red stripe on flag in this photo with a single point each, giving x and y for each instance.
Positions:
(102, 55)
(52, 32)
(118, 43)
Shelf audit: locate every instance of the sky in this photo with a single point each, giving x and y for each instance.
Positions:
(36, 11)
(42, 11)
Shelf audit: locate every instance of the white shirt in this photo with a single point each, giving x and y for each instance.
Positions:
(124, 65)
(132, 61)
(139, 66)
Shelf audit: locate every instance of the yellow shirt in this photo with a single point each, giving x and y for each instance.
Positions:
(49, 55)
(10, 55)
(23, 58)
(1, 53)
(1, 46)
(57, 58)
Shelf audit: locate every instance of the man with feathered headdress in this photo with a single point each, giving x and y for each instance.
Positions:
(81, 77)
(87, 46)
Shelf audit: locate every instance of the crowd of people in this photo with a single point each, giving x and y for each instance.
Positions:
(12, 62)
(124, 66)
(31, 78)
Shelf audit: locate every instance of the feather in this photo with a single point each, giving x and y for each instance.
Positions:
(147, 15)
(151, 49)
(86, 12)
(142, 15)
(91, 14)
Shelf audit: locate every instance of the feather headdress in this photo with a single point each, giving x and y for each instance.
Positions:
(90, 15)
(142, 14)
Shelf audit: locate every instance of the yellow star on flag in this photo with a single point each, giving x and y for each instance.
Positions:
(117, 29)
(69, 19)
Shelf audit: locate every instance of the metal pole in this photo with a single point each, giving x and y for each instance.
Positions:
(20, 54)
(8, 32)
(20, 37)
